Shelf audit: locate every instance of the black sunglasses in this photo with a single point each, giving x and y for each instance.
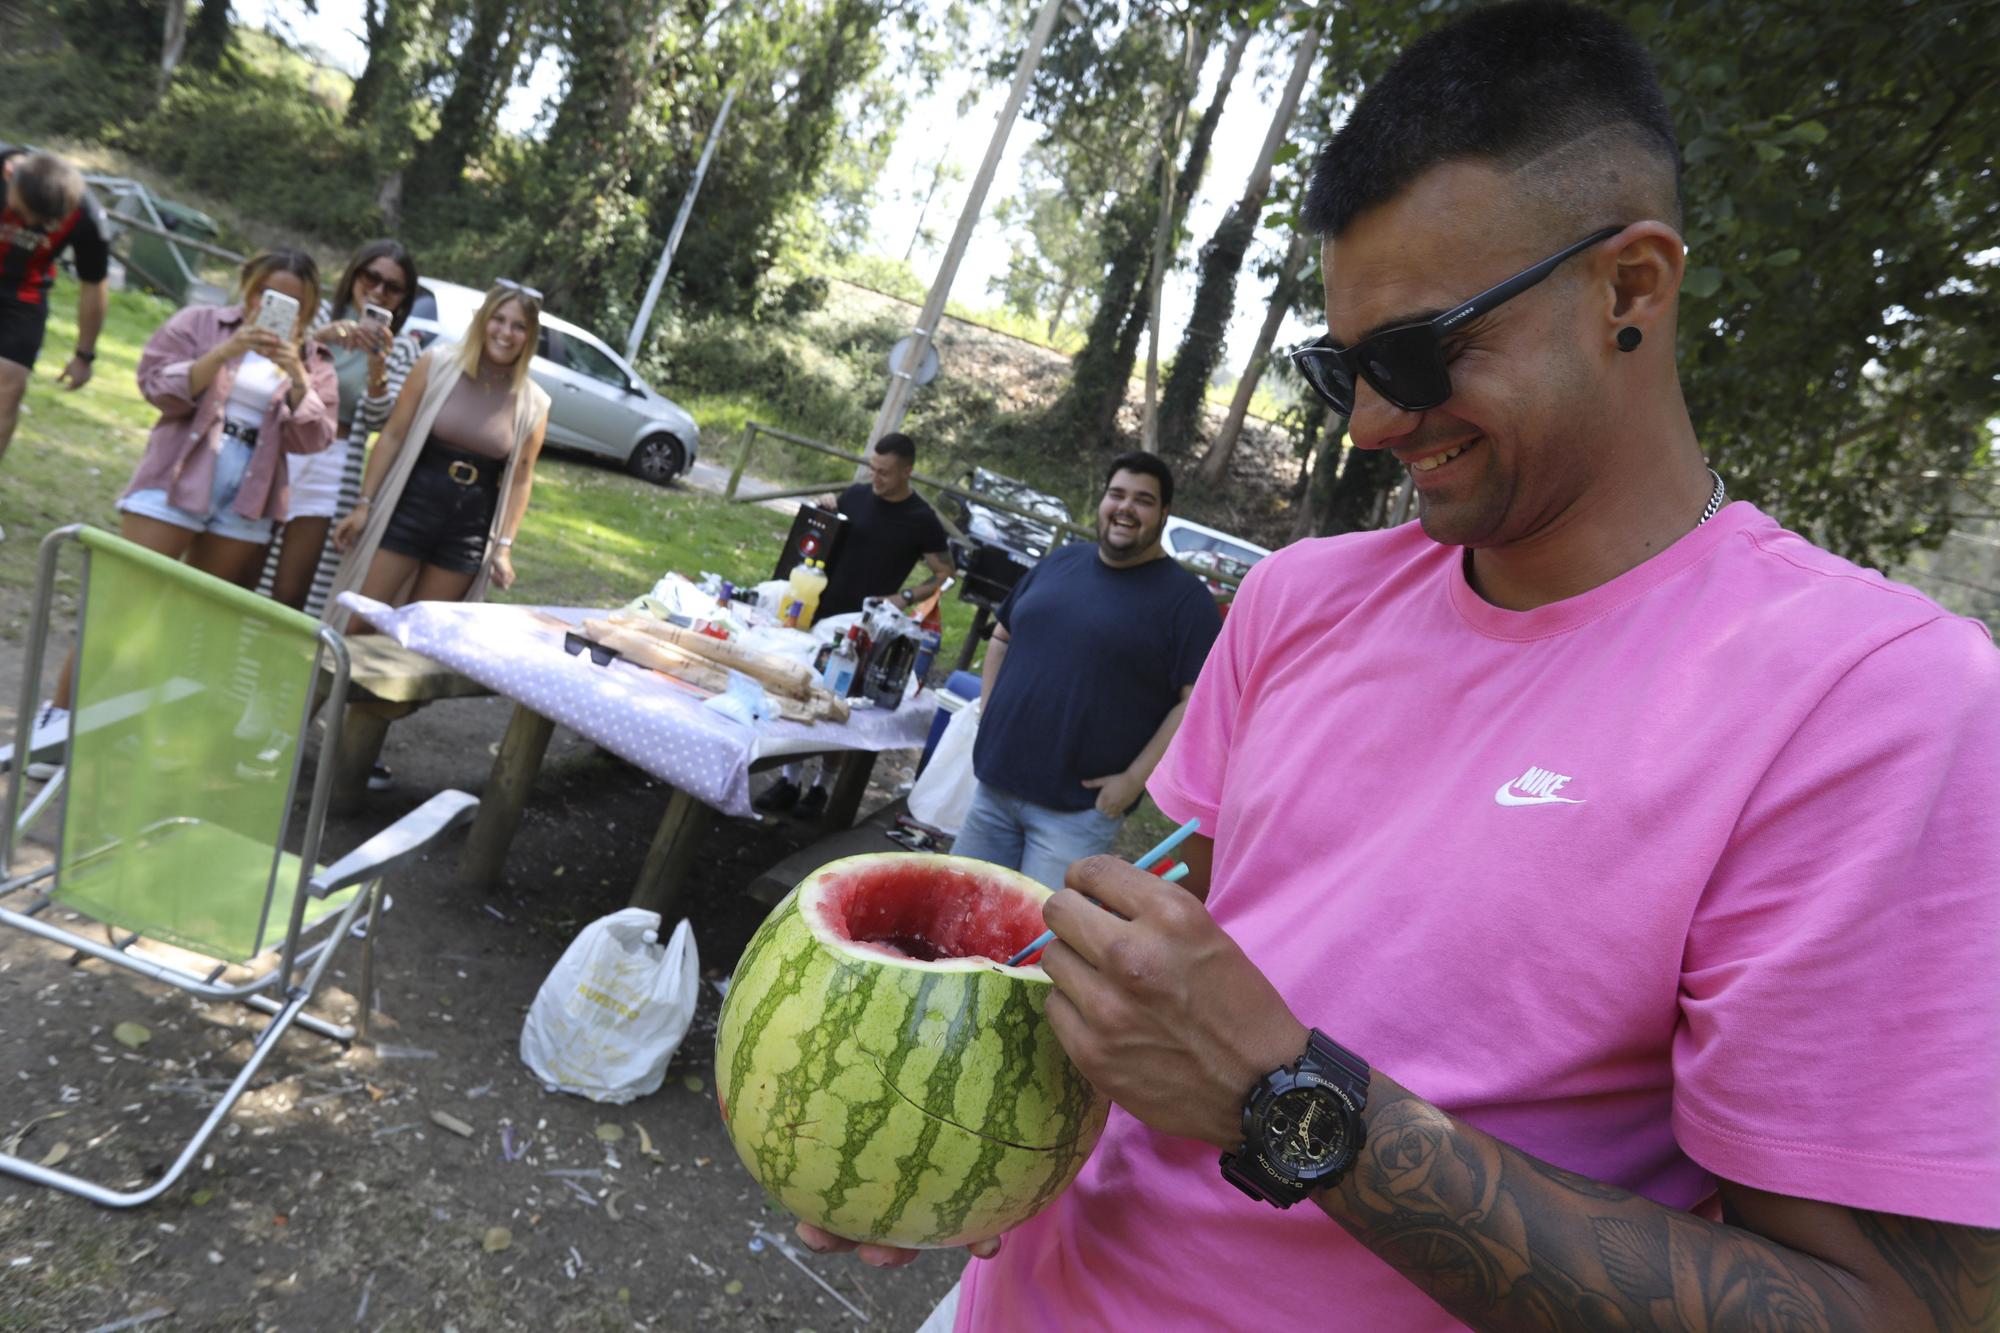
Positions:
(1407, 364)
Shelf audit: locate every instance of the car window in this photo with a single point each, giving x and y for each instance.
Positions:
(543, 347)
(581, 357)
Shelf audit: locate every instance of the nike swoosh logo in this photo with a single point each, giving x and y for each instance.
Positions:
(1506, 796)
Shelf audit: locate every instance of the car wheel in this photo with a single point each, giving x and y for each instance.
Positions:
(658, 459)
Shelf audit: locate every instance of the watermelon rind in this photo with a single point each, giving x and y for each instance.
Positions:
(918, 1104)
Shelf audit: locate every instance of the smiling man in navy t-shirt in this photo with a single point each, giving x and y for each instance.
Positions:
(1101, 646)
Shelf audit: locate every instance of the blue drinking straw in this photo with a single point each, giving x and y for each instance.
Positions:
(1146, 862)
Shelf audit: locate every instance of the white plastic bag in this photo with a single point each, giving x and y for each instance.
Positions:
(944, 789)
(613, 1011)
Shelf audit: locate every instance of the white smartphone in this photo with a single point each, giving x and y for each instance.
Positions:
(278, 313)
(375, 314)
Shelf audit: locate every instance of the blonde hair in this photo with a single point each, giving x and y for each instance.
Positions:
(472, 347)
(257, 271)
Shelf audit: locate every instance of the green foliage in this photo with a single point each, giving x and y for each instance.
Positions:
(220, 132)
(1839, 327)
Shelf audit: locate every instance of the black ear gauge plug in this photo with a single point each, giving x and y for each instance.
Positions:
(1628, 338)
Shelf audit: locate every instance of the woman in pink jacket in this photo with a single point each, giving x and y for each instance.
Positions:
(234, 400)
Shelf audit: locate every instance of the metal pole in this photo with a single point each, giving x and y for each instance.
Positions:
(632, 340)
(896, 401)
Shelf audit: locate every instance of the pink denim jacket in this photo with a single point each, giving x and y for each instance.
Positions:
(180, 453)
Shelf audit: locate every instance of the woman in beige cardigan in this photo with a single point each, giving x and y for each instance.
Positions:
(450, 475)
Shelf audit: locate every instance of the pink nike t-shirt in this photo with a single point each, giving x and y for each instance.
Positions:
(1690, 876)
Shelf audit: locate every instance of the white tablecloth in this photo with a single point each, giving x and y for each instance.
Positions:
(636, 714)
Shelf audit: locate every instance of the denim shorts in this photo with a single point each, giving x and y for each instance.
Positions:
(440, 521)
(231, 462)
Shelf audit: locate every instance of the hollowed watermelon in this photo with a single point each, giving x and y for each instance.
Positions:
(908, 1100)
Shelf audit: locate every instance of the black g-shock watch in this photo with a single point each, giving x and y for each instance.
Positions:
(1302, 1125)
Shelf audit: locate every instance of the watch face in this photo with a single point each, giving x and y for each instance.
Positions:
(1307, 1130)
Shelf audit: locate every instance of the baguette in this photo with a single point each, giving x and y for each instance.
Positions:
(788, 678)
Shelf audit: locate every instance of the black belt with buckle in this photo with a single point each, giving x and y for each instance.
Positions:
(463, 468)
(247, 434)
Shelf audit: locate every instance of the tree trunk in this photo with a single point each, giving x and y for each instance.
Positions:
(1221, 260)
(1195, 55)
(382, 27)
(483, 72)
(1062, 304)
(176, 40)
(1102, 370)
(1351, 503)
(1284, 294)
(208, 37)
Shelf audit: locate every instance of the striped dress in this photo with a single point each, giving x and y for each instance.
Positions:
(369, 416)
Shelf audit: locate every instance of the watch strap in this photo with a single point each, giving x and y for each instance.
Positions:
(1247, 1172)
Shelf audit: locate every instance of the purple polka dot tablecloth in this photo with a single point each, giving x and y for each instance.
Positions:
(639, 715)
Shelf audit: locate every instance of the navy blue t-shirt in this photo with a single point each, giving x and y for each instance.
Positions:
(1096, 658)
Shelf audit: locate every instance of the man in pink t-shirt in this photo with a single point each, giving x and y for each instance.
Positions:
(1600, 928)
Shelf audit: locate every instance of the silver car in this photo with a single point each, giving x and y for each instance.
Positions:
(598, 404)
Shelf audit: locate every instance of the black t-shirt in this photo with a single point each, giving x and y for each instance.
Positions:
(28, 254)
(882, 543)
(1096, 659)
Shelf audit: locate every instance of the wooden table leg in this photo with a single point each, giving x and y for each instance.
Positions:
(843, 803)
(362, 732)
(681, 830)
(520, 758)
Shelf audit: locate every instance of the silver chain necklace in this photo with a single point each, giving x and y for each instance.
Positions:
(1715, 498)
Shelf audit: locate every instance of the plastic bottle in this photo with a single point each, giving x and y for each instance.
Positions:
(808, 581)
(840, 664)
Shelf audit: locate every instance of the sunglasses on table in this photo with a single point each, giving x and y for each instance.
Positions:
(509, 285)
(1407, 364)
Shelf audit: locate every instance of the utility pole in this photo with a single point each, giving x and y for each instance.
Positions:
(896, 401)
(633, 339)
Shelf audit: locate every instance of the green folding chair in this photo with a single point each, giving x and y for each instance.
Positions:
(189, 712)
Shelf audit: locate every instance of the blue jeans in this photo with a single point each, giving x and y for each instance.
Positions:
(232, 462)
(1033, 839)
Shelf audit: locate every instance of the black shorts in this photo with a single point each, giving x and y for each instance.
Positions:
(21, 332)
(441, 520)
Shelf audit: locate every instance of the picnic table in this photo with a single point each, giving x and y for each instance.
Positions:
(649, 719)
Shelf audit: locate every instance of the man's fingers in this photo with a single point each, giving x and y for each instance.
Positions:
(1117, 884)
(820, 1241)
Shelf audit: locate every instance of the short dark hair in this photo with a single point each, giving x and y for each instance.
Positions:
(1146, 465)
(1505, 84)
(50, 187)
(899, 444)
(393, 251)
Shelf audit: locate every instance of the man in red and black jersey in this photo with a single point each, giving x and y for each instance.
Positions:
(46, 209)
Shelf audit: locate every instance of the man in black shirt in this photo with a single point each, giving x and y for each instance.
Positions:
(1101, 646)
(46, 208)
(889, 528)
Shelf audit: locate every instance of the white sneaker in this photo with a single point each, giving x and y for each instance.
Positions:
(51, 731)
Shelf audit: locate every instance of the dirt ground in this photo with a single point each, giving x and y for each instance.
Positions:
(332, 1199)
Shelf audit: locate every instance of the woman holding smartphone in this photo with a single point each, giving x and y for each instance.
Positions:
(449, 478)
(240, 389)
(362, 323)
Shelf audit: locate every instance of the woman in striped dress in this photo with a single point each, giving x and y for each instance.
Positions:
(371, 360)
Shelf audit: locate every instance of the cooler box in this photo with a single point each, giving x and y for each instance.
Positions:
(964, 684)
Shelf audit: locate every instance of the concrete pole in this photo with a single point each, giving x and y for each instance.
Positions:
(638, 333)
(896, 401)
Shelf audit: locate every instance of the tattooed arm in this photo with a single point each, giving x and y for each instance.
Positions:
(1504, 1241)
(1165, 1015)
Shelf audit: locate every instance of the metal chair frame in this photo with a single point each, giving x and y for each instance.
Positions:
(281, 989)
